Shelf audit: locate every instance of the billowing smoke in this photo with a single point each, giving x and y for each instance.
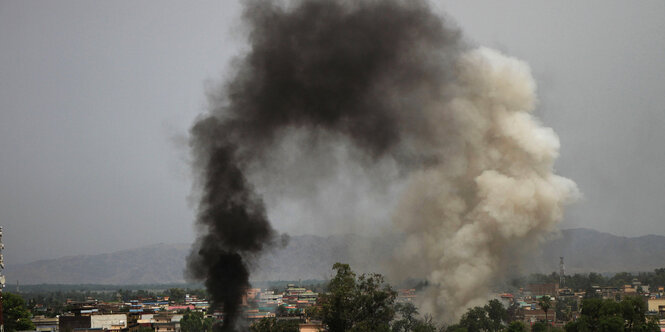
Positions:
(469, 218)
(392, 83)
(233, 219)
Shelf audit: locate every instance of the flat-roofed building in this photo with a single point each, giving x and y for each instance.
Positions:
(111, 322)
(45, 324)
(656, 304)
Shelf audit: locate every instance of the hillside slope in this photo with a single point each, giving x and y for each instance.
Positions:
(586, 250)
(311, 257)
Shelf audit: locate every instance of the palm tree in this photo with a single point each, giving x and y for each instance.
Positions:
(545, 303)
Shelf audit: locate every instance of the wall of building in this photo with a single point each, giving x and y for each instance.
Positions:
(108, 321)
(69, 323)
(655, 303)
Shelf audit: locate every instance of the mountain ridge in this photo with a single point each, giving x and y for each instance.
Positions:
(312, 256)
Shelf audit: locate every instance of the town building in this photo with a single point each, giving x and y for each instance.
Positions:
(45, 324)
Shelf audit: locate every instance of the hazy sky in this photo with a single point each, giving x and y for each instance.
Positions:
(96, 98)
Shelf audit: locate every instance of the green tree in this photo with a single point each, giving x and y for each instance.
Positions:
(597, 279)
(610, 324)
(408, 320)
(610, 316)
(425, 325)
(314, 312)
(353, 303)
(545, 303)
(193, 321)
(657, 278)
(176, 295)
(476, 320)
(16, 315)
(456, 328)
(491, 317)
(633, 311)
(497, 314)
(275, 325)
(516, 326)
(579, 281)
(337, 304)
(539, 327)
(513, 311)
(408, 317)
(620, 279)
(565, 307)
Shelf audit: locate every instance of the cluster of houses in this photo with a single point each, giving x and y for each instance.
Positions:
(163, 315)
(266, 303)
(527, 300)
(92, 315)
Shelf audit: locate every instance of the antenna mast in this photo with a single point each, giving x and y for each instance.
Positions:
(562, 272)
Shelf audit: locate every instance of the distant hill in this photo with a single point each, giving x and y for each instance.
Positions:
(311, 257)
(159, 263)
(586, 250)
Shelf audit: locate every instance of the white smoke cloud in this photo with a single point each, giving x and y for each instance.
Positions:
(493, 195)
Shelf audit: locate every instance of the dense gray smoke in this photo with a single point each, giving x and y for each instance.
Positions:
(471, 217)
(356, 70)
(389, 80)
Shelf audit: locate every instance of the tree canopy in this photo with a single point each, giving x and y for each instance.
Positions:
(193, 321)
(629, 315)
(15, 314)
(275, 325)
(353, 303)
(545, 303)
(516, 326)
(408, 320)
(585, 281)
(176, 295)
(491, 318)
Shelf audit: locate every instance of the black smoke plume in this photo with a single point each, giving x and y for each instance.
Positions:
(356, 69)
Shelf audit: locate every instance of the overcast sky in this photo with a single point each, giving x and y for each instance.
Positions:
(96, 98)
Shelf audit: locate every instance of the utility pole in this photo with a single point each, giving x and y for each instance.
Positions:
(562, 271)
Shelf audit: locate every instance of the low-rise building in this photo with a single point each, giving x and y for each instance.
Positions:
(166, 322)
(111, 322)
(656, 305)
(543, 289)
(68, 323)
(533, 316)
(44, 324)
